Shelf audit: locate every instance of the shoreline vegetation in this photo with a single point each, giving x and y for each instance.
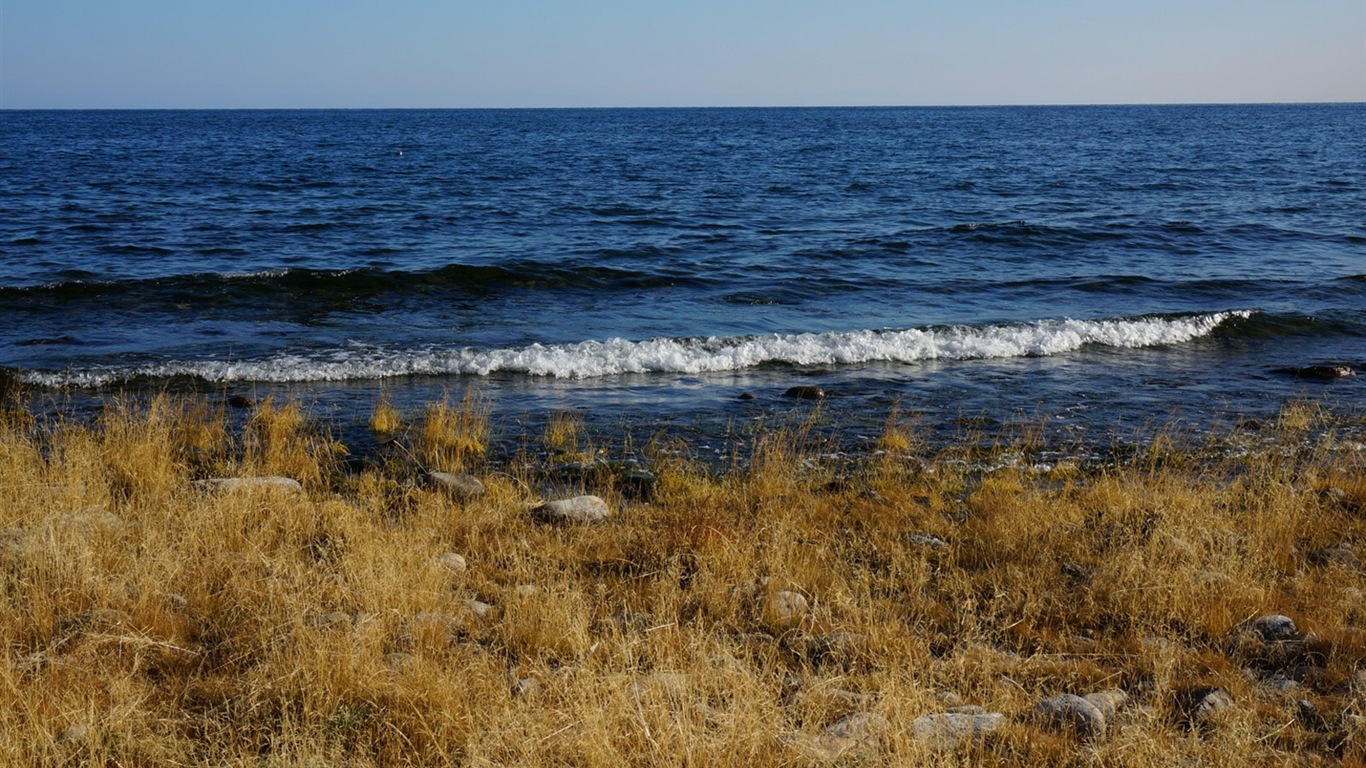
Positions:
(187, 586)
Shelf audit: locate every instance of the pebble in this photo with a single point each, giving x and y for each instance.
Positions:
(1069, 712)
(248, 483)
(925, 540)
(579, 509)
(461, 487)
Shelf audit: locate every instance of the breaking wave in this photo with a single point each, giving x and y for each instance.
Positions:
(589, 359)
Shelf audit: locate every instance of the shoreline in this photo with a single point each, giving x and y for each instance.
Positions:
(437, 605)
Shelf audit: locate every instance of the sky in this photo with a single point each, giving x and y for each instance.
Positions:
(644, 53)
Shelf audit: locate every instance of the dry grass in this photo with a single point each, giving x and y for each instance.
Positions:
(148, 620)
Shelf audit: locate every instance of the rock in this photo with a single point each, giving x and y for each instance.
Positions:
(96, 618)
(784, 608)
(526, 590)
(479, 610)
(526, 688)
(241, 401)
(855, 737)
(397, 659)
(452, 562)
(1200, 707)
(946, 730)
(229, 484)
(325, 620)
(461, 487)
(90, 519)
(579, 509)
(927, 541)
(77, 734)
(1343, 554)
(1108, 702)
(745, 396)
(838, 647)
(1072, 713)
(1275, 628)
(1324, 372)
(805, 392)
(1309, 716)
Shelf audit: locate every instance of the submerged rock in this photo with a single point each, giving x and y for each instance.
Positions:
(579, 509)
(805, 392)
(1325, 372)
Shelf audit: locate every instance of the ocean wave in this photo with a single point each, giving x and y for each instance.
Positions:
(589, 359)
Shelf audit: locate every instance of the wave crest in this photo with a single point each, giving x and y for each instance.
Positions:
(589, 359)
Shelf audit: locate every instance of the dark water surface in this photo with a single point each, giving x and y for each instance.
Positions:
(1097, 268)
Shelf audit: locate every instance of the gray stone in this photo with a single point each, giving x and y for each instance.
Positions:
(1201, 706)
(579, 509)
(229, 484)
(1274, 628)
(1108, 702)
(784, 608)
(479, 610)
(451, 562)
(526, 688)
(927, 541)
(946, 730)
(461, 486)
(90, 519)
(326, 620)
(856, 737)
(1343, 554)
(1071, 713)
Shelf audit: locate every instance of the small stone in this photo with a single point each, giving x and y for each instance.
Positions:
(946, 730)
(1071, 712)
(397, 659)
(1108, 702)
(784, 608)
(1275, 628)
(452, 562)
(950, 698)
(805, 392)
(1343, 554)
(76, 734)
(229, 484)
(839, 647)
(1201, 706)
(461, 487)
(927, 541)
(325, 620)
(241, 401)
(526, 688)
(579, 509)
(480, 610)
(860, 725)
(527, 590)
(91, 519)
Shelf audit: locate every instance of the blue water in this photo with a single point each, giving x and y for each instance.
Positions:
(1099, 266)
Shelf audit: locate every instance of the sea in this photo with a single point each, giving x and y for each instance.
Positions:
(1088, 271)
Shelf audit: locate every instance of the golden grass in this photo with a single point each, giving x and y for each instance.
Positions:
(148, 620)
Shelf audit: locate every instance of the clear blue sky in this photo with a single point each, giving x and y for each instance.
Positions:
(495, 53)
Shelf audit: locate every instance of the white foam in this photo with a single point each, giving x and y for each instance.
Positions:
(589, 359)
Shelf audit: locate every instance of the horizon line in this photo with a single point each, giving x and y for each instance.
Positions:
(693, 106)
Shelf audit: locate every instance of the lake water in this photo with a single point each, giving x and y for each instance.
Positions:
(1093, 269)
